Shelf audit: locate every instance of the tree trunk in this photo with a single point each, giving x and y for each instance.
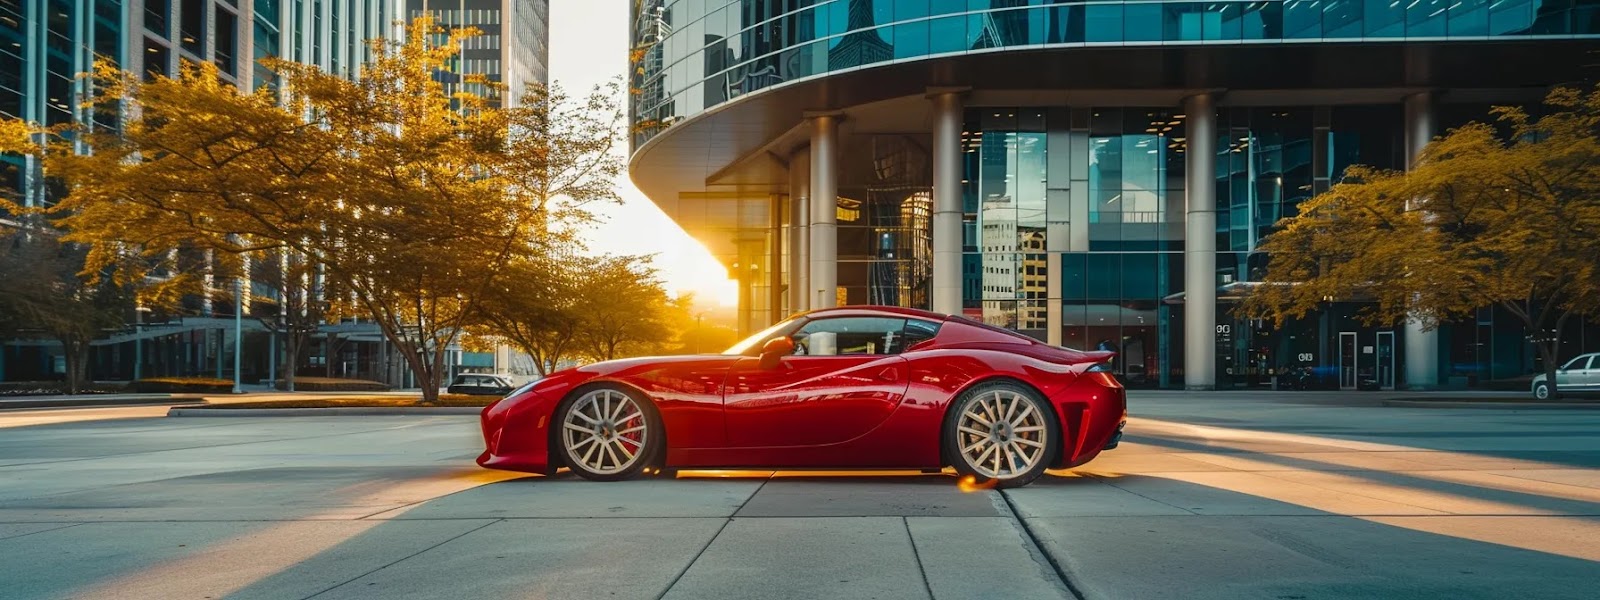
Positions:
(291, 358)
(333, 351)
(1547, 351)
(76, 354)
(430, 389)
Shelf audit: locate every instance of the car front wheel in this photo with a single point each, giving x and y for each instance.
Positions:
(608, 433)
(1541, 391)
(1001, 433)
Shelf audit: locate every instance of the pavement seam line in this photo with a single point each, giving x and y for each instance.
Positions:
(402, 559)
(921, 569)
(689, 565)
(1033, 538)
(12, 537)
(1107, 481)
(714, 536)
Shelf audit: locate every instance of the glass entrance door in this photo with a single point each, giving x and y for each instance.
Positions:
(1347, 360)
(1386, 360)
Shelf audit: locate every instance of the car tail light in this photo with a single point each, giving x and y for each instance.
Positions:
(1102, 374)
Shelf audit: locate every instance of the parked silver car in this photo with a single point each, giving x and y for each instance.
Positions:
(480, 384)
(1581, 374)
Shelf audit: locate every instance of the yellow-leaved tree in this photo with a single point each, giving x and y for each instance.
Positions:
(400, 187)
(1482, 220)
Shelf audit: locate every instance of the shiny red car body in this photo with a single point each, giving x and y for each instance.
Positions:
(882, 411)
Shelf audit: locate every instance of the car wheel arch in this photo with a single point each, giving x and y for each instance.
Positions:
(944, 420)
(555, 461)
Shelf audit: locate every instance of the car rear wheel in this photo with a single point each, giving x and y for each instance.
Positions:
(1541, 391)
(608, 433)
(1001, 433)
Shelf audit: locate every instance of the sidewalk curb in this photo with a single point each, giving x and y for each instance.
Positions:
(89, 402)
(1494, 405)
(364, 411)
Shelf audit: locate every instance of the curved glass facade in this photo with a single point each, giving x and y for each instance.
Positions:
(700, 53)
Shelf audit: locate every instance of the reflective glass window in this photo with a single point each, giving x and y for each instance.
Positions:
(1383, 18)
(1342, 19)
(1262, 21)
(1141, 22)
(905, 10)
(1064, 25)
(1302, 19)
(1426, 18)
(911, 39)
(1188, 21)
(1510, 17)
(1469, 18)
(1103, 276)
(1103, 22)
(944, 7)
(1074, 277)
(947, 34)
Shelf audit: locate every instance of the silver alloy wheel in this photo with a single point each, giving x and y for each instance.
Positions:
(1001, 434)
(605, 432)
(1541, 391)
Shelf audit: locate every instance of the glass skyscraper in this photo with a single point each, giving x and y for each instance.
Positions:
(1096, 174)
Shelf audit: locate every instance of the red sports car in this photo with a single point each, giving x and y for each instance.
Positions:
(852, 387)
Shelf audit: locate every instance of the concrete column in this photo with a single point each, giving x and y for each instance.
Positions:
(1200, 246)
(1421, 347)
(824, 209)
(800, 230)
(947, 234)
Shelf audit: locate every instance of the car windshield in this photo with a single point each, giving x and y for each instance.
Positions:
(750, 343)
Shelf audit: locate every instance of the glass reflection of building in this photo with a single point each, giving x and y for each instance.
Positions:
(1075, 169)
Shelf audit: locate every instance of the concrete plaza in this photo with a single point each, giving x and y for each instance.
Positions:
(1274, 496)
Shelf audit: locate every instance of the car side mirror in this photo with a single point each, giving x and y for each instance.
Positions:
(774, 350)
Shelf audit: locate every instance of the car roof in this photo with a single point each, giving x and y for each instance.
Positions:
(874, 310)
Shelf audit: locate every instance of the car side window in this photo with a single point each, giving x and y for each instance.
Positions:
(842, 336)
(918, 331)
(1576, 364)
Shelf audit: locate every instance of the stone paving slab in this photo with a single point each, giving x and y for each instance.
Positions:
(566, 496)
(983, 557)
(1075, 495)
(164, 561)
(621, 559)
(819, 557)
(1322, 557)
(931, 495)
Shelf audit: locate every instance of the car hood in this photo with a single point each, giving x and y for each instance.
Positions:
(645, 363)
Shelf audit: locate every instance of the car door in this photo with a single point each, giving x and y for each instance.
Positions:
(1587, 376)
(1571, 376)
(845, 380)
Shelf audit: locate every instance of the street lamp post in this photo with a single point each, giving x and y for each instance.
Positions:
(238, 330)
(138, 342)
(272, 351)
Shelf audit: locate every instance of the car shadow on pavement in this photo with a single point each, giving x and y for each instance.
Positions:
(755, 537)
(1429, 486)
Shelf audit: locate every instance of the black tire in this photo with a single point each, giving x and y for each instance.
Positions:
(581, 458)
(1049, 438)
(1541, 391)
